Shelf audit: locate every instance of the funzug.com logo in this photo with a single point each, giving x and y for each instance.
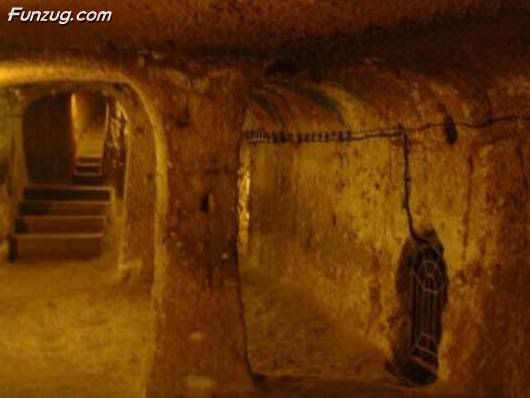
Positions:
(59, 17)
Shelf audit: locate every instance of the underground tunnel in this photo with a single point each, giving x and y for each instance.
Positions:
(266, 199)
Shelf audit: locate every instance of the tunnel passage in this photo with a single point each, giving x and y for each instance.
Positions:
(65, 208)
(69, 307)
(111, 157)
(326, 216)
(69, 195)
(321, 218)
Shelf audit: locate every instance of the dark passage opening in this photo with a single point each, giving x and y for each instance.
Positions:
(49, 145)
(74, 149)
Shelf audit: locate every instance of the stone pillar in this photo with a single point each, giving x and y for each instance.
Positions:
(12, 167)
(200, 344)
(137, 243)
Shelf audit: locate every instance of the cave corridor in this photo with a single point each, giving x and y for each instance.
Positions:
(266, 199)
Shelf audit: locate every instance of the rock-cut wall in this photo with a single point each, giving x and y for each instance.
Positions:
(332, 195)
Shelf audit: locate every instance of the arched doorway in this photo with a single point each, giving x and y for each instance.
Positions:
(80, 302)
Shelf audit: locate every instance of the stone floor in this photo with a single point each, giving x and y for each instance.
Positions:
(314, 388)
(290, 336)
(71, 329)
(302, 352)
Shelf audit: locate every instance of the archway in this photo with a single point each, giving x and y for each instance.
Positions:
(125, 318)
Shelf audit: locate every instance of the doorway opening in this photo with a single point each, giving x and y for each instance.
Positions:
(78, 158)
(74, 170)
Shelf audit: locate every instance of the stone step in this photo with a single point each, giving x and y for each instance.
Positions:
(93, 159)
(89, 145)
(88, 178)
(93, 155)
(88, 160)
(60, 224)
(56, 246)
(88, 168)
(63, 207)
(65, 192)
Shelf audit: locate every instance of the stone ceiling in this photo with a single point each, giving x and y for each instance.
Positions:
(245, 25)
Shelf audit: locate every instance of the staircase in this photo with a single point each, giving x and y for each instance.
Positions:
(64, 221)
(88, 171)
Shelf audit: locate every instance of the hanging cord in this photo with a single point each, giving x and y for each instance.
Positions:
(406, 182)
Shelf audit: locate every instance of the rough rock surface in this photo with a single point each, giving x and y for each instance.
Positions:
(326, 219)
(228, 24)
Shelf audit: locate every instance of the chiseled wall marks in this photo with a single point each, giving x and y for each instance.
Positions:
(196, 295)
(139, 202)
(329, 218)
